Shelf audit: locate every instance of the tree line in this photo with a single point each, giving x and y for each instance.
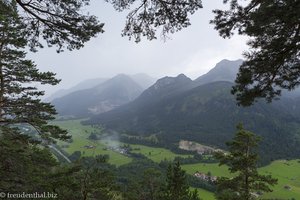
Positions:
(273, 63)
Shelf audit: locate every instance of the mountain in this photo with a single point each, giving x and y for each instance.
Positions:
(80, 86)
(114, 92)
(165, 87)
(174, 109)
(143, 80)
(225, 70)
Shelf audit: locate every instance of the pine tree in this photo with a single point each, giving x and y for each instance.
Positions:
(177, 187)
(242, 161)
(95, 182)
(19, 100)
(24, 166)
(151, 15)
(58, 23)
(151, 185)
(194, 195)
(273, 61)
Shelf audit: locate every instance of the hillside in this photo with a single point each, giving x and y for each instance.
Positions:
(166, 87)
(143, 80)
(89, 83)
(225, 70)
(114, 92)
(173, 110)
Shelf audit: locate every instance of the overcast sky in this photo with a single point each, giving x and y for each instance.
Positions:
(193, 51)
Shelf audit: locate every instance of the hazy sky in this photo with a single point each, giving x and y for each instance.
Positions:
(193, 51)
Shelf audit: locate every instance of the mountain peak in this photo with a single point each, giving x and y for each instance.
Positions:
(182, 77)
(232, 65)
(224, 61)
(167, 86)
(225, 70)
(121, 76)
(112, 93)
(167, 80)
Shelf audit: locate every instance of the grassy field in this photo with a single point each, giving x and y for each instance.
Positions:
(204, 194)
(214, 168)
(287, 173)
(80, 134)
(156, 154)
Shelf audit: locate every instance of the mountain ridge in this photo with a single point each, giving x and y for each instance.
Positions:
(112, 93)
(207, 114)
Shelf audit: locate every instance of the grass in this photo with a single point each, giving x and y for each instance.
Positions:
(214, 168)
(156, 154)
(80, 134)
(204, 194)
(287, 173)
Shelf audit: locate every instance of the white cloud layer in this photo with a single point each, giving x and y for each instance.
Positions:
(193, 51)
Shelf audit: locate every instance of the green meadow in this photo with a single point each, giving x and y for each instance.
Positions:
(288, 175)
(204, 194)
(213, 168)
(80, 136)
(156, 154)
(287, 172)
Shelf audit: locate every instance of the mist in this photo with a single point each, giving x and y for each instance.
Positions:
(192, 51)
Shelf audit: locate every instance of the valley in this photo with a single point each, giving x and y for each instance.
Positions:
(287, 172)
(80, 139)
(139, 125)
(108, 146)
(173, 112)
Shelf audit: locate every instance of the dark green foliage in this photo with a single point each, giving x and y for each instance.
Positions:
(59, 23)
(194, 195)
(198, 183)
(132, 179)
(95, 181)
(66, 183)
(93, 136)
(177, 187)
(151, 185)
(207, 114)
(147, 180)
(273, 61)
(75, 156)
(150, 15)
(196, 159)
(23, 166)
(88, 178)
(19, 101)
(242, 161)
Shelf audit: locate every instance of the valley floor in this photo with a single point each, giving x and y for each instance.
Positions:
(287, 172)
